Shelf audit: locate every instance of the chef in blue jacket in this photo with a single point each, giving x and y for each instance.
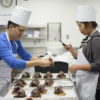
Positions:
(10, 46)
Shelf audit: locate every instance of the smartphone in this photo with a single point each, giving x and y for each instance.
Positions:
(62, 43)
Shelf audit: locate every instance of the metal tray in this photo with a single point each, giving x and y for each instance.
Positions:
(70, 94)
(68, 87)
(42, 74)
(63, 82)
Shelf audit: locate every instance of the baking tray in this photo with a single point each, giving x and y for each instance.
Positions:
(63, 82)
(42, 74)
(66, 83)
(70, 94)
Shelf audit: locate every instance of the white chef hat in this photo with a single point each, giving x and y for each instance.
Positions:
(20, 16)
(86, 13)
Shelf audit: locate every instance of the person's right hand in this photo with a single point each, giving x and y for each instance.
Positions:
(44, 62)
(69, 48)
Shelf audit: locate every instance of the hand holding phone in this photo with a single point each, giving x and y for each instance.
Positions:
(62, 43)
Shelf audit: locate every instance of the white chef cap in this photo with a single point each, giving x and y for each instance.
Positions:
(20, 16)
(86, 13)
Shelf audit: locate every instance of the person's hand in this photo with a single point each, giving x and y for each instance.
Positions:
(72, 69)
(69, 48)
(51, 61)
(44, 63)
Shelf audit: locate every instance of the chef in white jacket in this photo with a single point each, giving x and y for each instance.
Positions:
(10, 46)
(88, 55)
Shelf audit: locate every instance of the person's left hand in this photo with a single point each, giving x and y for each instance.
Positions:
(72, 69)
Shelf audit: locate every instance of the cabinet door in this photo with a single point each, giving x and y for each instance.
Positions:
(54, 31)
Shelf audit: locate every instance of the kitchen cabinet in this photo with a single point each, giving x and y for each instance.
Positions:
(35, 32)
(34, 35)
(3, 28)
(54, 31)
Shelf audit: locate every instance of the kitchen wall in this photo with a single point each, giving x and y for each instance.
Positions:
(64, 11)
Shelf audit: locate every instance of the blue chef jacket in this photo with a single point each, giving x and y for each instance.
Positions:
(7, 51)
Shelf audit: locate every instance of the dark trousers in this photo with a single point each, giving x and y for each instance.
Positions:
(98, 95)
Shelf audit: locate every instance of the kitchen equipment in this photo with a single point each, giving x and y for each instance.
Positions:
(69, 90)
(59, 66)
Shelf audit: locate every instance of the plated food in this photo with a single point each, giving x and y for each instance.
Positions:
(48, 82)
(47, 75)
(26, 75)
(40, 85)
(37, 75)
(20, 82)
(59, 91)
(34, 83)
(20, 94)
(35, 93)
(61, 74)
(29, 99)
(16, 89)
(42, 89)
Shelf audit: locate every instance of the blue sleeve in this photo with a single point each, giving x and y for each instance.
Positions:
(8, 57)
(22, 52)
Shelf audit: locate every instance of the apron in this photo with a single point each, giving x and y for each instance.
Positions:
(86, 82)
(5, 74)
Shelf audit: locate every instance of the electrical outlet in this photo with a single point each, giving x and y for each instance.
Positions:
(67, 36)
